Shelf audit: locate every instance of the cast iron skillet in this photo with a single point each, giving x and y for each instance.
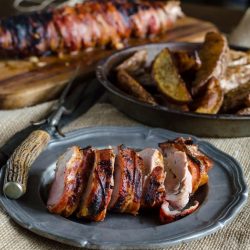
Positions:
(158, 116)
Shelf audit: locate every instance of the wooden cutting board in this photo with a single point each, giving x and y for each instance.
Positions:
(32, 81)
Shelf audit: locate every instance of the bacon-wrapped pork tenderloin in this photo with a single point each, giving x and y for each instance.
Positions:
(123, 180)
(127, 192)
(68, 184)
(100, 185)
(87, 25)
(153, 194)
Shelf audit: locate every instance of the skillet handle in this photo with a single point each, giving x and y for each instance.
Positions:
(18, 166)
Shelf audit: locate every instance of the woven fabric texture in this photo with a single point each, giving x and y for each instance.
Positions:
(236, 235)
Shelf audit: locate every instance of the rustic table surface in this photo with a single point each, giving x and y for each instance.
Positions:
(236, 235)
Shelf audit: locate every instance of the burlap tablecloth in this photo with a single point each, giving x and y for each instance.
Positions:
(236, 235)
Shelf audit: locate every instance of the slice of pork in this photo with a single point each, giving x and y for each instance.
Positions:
(178, 182)
(128, 182)
(153, 194)
(167, 214)
(198, 163)
(151, 158)
(67, 186)
(99, 189)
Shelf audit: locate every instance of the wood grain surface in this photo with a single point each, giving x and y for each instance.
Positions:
(32, 81)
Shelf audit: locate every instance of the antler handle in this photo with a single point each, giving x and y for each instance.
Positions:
(18, 166)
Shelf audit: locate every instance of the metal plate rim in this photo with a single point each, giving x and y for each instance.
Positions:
(228, 216)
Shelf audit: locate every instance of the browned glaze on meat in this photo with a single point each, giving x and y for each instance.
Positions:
(128, 182)
(153, 194)
(99, 188)
(68, 184)
(154, 189)
(88, 162)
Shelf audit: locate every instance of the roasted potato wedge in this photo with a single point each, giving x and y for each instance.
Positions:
(168, 80)
(186, 62)
(235, 98)
(134, 63)
(129, 85)
(213, 98)
(214, 55)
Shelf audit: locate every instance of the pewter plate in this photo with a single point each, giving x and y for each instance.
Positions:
(220, 201)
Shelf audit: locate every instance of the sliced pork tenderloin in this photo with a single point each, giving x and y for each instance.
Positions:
(100, 185)
(153, 194)
(67, 186)
(187, 169)
(178, 182)
(127, 192)
(198, 163)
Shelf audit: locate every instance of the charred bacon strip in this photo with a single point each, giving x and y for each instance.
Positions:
(99, 188)
(154, 190)
(127, 192)
(90, 24)
(68, 184)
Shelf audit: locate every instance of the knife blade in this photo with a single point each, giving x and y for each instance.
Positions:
(21, 158)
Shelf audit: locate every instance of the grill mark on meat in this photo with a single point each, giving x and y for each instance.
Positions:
(97, 196)
(128, 187)
(77, 187)
(154, 193)
(119, 202)
(97, 204)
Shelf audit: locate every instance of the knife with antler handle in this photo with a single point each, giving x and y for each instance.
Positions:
(20, 161)
(18, 165)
